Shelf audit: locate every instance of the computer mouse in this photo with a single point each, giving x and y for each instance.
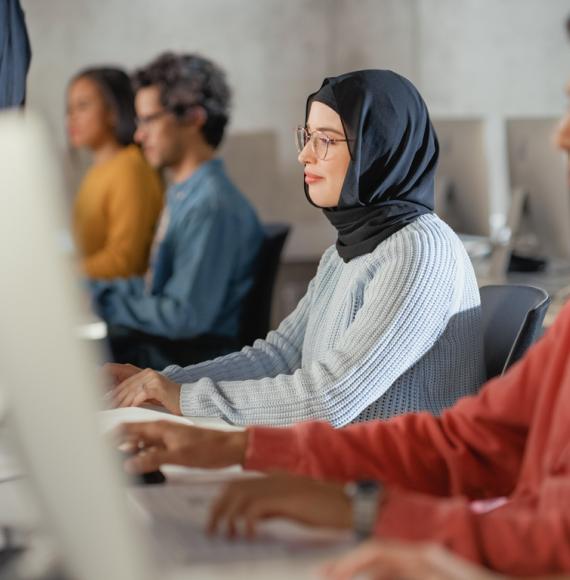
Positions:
(149, 478)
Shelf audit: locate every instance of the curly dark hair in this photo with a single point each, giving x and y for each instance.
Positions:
(115, 86)
(188, 80)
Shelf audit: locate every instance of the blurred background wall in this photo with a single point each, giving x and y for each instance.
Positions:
(490, 58)
(469, 58)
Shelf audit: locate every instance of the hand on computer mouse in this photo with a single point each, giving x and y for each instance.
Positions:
(150, 477)
(161, 442)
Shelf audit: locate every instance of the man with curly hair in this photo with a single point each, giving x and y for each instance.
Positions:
(203, 254)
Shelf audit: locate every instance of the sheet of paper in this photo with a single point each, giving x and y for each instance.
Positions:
(111, 418)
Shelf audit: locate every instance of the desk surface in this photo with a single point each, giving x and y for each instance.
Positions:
(16, 512)
(17, 508)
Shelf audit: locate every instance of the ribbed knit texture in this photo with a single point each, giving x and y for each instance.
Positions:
(393, 331)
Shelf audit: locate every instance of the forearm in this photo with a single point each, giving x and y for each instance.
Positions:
(278, 354)
(337, 388)
(280, 400)
(454, 454)
(356, 452)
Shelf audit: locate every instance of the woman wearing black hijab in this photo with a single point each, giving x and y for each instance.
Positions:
(391, 321)
(394, 151)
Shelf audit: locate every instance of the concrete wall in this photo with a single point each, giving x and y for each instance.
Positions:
(486, 58)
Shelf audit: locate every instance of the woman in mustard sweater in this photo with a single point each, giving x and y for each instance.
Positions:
(120, 198)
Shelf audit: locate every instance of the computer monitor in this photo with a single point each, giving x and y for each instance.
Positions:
(538, 176)
(49, 376)
(462, 180)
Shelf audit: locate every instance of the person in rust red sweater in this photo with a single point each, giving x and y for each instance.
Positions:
(489, 479)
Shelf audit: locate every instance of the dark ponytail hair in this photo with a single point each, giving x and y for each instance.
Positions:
(115, 85)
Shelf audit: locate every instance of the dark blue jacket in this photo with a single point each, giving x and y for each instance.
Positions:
(15, 54)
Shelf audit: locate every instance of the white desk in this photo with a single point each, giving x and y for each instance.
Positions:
(17, 510)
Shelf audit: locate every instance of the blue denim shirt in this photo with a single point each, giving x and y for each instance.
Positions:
(201, 265)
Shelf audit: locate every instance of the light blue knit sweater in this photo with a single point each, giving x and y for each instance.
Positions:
(393, 331)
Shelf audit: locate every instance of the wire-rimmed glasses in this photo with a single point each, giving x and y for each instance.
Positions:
(319, 141)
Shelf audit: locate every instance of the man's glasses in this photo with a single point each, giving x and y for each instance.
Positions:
(142, 122)
(319, 141)
(179, 111)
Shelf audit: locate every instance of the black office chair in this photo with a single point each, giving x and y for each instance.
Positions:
(512, 321)
(145, 350)
(256, 313)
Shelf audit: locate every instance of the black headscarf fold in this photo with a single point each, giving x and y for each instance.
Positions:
(394, 150)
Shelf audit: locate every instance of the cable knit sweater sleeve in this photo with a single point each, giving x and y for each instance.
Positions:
(279, 353)
(406, 307)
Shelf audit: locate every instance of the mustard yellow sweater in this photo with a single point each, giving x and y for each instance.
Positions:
(115, 214)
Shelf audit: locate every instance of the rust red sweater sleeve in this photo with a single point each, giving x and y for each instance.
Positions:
(475, 448)
(514, 433)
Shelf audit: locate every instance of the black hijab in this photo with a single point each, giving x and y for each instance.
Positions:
(394, 150)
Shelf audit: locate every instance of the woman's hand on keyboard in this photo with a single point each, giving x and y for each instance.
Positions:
(247, 502)
(116, 373)
(147, 386)
(160, 442)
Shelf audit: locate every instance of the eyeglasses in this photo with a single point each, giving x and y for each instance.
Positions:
(142, 122)
(319, 141)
